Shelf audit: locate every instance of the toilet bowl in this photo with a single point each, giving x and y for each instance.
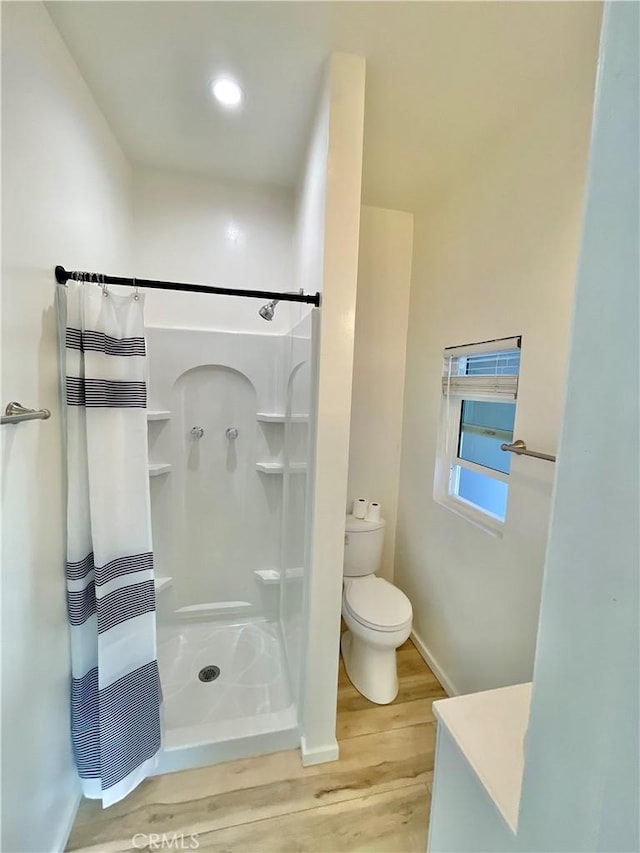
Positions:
(377, 614)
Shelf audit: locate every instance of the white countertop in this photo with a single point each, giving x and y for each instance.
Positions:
(489, 729)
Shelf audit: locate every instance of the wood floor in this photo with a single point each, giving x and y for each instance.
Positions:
(375, 798)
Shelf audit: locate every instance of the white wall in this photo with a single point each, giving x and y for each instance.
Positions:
(196, 229)
(335, 149)
(495, 258)
(382, 313)
(65, 199)
(581, 778)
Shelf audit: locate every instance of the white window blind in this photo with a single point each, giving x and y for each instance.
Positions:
(486, 370)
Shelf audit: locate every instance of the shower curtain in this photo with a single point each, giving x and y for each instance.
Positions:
(115, 687)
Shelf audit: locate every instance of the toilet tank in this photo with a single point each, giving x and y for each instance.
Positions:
(362, 546)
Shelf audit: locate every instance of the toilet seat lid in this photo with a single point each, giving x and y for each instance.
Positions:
(361, 525)
(375, 601)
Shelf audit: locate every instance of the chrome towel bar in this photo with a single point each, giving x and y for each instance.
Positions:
(520, 449)
(16, 412)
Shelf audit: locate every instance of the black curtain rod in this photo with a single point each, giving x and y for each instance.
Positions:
(63, 275)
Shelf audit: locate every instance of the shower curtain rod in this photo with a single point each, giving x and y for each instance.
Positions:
(63, 275)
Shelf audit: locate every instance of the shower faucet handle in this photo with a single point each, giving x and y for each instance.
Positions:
(231, 433)
(197, 432)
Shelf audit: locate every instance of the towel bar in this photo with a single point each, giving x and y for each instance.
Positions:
(15, 413)
(520, 449)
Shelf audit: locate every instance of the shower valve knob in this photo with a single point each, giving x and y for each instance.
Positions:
(231, 433)
(197, 432)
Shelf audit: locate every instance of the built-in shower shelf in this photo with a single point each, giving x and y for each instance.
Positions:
(278, 467)
(158, 415)
(272, 576)
(161, 583)
(158, 468)
(267, 576)
(280, 418)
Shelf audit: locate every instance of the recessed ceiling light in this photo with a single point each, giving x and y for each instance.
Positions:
(226, 91)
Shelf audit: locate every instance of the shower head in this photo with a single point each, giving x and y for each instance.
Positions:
(267, 311)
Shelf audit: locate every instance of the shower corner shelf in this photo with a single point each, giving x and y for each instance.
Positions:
(161, 583)
(158, 468)
(278, 467)
(158, 415)
(281, 417)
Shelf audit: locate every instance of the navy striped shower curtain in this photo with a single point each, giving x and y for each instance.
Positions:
(115, 687)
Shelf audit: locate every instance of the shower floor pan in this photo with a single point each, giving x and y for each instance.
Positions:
(245, 710)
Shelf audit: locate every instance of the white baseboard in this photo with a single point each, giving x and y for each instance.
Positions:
(449, 687)
(66, 824)
(330, 752)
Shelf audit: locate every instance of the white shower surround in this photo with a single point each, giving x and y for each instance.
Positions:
(301, 360)
(219, 533)
(215, 381)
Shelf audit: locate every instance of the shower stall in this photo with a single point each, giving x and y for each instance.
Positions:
(230, 429)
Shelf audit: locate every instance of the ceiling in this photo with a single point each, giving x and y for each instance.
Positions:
(444, 80)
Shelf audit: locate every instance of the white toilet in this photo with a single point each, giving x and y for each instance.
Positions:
(377, 614)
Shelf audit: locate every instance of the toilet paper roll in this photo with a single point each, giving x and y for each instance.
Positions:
(360, 507)
(374, 512)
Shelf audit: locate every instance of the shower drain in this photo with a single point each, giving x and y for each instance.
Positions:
(209, 673)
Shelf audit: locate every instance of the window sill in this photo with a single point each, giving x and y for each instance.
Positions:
(492, 526)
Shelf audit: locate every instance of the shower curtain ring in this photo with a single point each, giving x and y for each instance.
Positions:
(136, 295)
(105, 292)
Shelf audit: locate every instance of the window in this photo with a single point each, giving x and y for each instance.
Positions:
(479, 389)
